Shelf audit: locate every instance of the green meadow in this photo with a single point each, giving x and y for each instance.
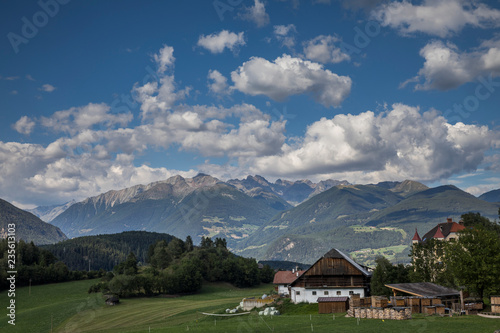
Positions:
(66, 307)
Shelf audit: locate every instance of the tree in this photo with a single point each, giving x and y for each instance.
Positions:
(188, 244)
(161, 258)
(385, 273)
(428, 260)
(206, 242)
(474, 260)
(221, 243)
(475, 219)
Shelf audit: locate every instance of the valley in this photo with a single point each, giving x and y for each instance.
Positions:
(284, 220)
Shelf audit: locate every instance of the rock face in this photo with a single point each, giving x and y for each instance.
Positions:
(293, 192)
(198, 206)
(48, 213)
(28, 227)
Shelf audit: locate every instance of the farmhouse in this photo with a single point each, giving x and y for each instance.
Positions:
(283, 278)
(334, 274)
(443, 231)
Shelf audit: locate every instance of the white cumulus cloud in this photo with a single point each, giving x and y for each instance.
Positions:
(436, 17)
(285, 34)
(217, 83)
(24, 125)
(48, 88)
(401, 143)
(257, 14)
(325, 49)
(446, 67)
(216, 43)
(288, 76)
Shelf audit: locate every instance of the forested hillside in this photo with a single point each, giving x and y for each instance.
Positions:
(105, 251)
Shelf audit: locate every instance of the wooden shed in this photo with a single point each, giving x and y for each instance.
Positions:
(333, 304)
(430, 293)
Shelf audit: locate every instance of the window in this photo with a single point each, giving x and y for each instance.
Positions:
(314, 293)
(297, 293)
(351, 292)
(339, 293)
(326, 293)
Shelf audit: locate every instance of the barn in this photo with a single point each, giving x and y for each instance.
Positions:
(333, 304)
(333, 275)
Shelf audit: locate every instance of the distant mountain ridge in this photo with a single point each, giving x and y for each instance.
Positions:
(491, 196)
(293, 192)
(198, 206)
(48, 213)
(28, 227)
(358, 217)
(284, 220)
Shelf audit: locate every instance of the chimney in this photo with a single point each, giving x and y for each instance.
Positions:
(461, 222)
(297, 273)
(449, 219)
(293, 270)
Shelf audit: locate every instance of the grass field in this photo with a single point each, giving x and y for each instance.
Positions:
(367, 256)
(73, 310)
(48, 305)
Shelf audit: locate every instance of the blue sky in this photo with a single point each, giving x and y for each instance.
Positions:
(101, 95)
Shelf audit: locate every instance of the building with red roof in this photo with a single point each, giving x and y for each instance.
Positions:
(443, 231)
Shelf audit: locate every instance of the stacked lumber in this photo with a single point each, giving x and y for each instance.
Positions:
(495, 304)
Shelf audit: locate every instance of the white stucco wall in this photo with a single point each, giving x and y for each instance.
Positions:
(282, 289)
(311, 295)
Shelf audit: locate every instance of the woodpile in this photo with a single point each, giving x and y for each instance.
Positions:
(355, 300)
(414, 303)
(436, 301)
(379, 301)
(495, 304)
(400, 302)
(426, 302)
(397, 313)
(440, 309)
(429, 310)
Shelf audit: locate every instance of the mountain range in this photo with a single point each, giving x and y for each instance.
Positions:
(48, 213)
(28, 227)
(284, 220)
(198, 206)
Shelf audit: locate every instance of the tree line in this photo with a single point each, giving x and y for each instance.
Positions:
(36, 265)
(105, 251)
(178, 267)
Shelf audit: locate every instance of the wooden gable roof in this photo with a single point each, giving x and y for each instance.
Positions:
(333, 264)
